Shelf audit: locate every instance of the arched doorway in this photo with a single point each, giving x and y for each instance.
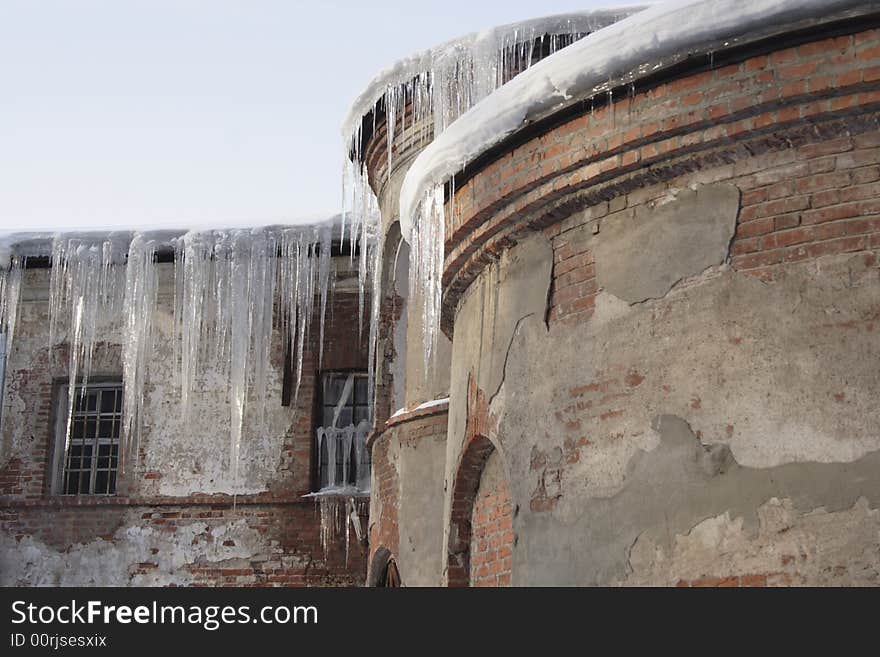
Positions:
(481, 529)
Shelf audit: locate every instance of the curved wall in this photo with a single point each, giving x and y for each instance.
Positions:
(408, 451)
(665, 320)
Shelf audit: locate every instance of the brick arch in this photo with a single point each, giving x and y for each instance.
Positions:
(464, 494)
(491, 545)
(479, 516)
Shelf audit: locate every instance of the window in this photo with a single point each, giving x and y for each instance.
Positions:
(88, 464)
(341, 438)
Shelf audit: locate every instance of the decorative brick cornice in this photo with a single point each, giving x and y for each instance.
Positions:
(418, 413)
(770, 102)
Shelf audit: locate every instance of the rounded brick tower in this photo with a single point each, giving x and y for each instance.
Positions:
(396, 117)
(662, 295)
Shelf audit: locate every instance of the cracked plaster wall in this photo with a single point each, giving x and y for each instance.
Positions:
(195, 543)
(721, 406)
(194, 460)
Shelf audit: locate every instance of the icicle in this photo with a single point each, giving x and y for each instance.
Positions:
(241, 322)
(10, 291)
(331, 458)
(226, 283)
(323, 284)
(347, 390)
(86, 285)
(441, 85)
(139, 307)
(426, 265)
(390, 120)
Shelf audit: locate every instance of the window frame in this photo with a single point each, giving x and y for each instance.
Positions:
(60, 405)
(319, 418)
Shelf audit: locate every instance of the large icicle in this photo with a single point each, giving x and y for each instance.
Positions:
(10, 291)
(232, 290)
(139, 307)
(435, 87)
(445, 81)
(225, 290)
(362, 208)
(426, 266)
(86, 287)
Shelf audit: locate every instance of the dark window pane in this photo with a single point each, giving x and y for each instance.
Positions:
(112, 485)
(353, 409)
(103, 456)
(108, 401)
(105, 429)
(91, 401)
(91, 427)
(360, 392)
(333, 390)
(84, 477)
(77, 431)
(101, 481)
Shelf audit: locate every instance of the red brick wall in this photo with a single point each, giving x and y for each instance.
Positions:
(826, 201)
(291, 554)
(491, 534)
(796, 130)
(573, 287)
(384, 531)
(404, 430)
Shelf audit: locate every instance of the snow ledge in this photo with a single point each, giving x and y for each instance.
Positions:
(641, 44)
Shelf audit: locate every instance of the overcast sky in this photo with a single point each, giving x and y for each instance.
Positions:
(133, 113)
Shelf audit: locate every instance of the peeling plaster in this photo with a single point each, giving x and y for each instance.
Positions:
(671, 490)
(819, 548)
(641, 254)
(194, 459)
(776, 380)
(31, 562)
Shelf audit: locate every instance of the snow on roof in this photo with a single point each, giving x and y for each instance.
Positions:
(39, 243)
(494, 38)
(642, 43)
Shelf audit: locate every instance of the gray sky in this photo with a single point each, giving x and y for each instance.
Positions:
(198, 112)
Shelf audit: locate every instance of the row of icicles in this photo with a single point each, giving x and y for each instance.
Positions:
(232, 289)
(456, 80)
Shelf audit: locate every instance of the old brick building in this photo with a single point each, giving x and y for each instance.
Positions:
(660, 356)
(73, 515)
(657, 347)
